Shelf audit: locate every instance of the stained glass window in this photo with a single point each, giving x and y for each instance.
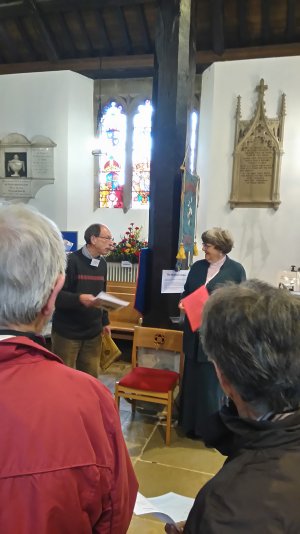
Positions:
(112, 138)
(141, 154)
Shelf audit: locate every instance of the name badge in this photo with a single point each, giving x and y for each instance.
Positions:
(95, 262)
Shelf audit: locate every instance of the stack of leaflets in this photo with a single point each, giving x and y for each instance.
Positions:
(109, 302)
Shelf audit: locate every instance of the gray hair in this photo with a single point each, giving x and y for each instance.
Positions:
(218, 237)
(252, 332)
(32, 257)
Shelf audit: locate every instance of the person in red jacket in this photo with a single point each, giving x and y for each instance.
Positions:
(64, 466)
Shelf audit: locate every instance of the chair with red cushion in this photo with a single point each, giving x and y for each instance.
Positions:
(150, 384)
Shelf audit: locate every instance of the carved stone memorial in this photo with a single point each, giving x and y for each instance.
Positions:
(25, 166)
(257, 156)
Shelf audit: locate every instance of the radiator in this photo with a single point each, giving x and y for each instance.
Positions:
(117, 273)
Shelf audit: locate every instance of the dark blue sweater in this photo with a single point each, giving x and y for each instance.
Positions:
(71, 319)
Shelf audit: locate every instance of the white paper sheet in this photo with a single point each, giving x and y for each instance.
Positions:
(173, 281)
(169, 507)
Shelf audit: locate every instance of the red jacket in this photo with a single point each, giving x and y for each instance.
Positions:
(64, 466)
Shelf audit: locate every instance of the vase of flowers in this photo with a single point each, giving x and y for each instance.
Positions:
(129, 248)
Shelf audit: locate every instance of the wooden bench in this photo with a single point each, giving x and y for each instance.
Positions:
(123, 321)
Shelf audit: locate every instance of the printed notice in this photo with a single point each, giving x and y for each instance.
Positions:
(173, 281)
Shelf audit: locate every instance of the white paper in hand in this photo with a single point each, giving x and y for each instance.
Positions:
(170, 507)
(109, 302)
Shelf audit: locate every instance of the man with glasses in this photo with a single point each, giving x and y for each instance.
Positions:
(78, 324)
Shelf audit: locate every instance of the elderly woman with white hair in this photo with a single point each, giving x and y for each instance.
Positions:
(200, 392)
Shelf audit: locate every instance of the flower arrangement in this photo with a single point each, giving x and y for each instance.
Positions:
(128, 249)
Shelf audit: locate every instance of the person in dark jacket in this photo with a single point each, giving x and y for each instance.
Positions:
(200, 391)
(251, 334)
(64, 466)
(78, 323)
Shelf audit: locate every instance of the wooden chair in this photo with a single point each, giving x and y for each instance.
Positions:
(149, 384)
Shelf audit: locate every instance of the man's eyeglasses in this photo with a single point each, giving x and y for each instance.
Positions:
(108, 238)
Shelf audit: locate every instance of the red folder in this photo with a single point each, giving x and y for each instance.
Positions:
(193, 306)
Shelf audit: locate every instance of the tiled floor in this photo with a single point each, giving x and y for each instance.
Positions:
(183, 467)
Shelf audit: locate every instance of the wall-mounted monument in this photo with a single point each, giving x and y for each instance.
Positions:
(257, 156)
(25, 166)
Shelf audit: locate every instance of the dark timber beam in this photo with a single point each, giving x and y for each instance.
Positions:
(144, 28)
(135, 63)
(9, 44)
(124, 30)
(243, 25)
(67, 33)
(84, 31)
(25, 38)
(171, 101)
(54, 5)
(265, 21)
(13, 9)
(45, 39)
(116, 63)
(217, 21)
(206, 57)
(107, 44)
(18, 8)
(291, 20)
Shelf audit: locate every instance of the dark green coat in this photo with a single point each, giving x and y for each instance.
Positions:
(258, 488)
(231, 271)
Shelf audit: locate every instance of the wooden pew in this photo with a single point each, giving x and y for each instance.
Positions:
(123, 321)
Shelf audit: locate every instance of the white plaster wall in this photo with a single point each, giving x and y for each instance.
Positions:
(59, 105)
(266, 241)
(33, 104)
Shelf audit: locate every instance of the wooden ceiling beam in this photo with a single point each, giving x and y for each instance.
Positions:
(25, 38)
(85, 32)
(13, 9)
(18, 8)
(217, 21)
(206, 57)
(144, 28)
(291, 20)
(265, 21)
(67, 33)
(104, 32)
(124, 30)
(9, 43)
(243, 25)
(45, 39)
(146, 61)
(61, 5)
(82, 64)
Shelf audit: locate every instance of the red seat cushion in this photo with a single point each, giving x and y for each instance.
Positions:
(147, 379)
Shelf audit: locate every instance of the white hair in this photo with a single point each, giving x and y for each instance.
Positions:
(32, 257)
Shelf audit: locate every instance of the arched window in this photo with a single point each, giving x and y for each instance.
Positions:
(141, 155)
(125, 151)
(112, 138)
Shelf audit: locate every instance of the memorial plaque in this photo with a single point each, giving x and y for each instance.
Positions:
(257, 157)
(25, 166)
(16, 188)
(42, 163)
